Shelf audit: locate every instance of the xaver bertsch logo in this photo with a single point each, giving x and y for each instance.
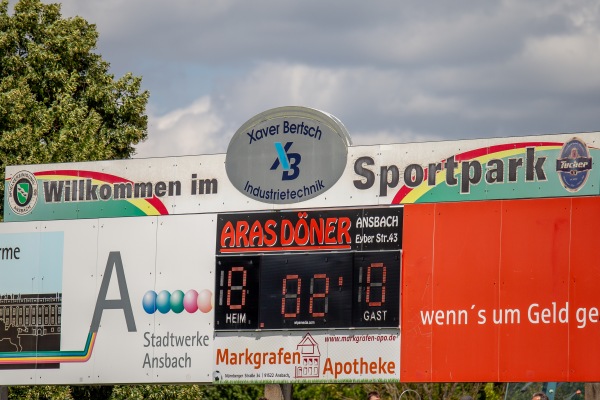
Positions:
(23, 192)
(287, 155)
(574, 164)
(289, 162)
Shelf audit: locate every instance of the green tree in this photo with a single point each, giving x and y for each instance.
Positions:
(238, 392)
(39, 393)
(58, 101)
(158, 392)
(329, 391)
(431, 391)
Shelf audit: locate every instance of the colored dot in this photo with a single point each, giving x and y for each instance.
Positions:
(177, 301)
(190, 301)
(205, 300)
(149, 302)
(163, 302)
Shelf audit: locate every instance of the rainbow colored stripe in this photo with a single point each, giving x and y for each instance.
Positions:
(50, 357)
(149, 206)
(407, 195)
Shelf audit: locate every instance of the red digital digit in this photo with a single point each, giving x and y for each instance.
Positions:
(314, 296)
(292, 298)
(371, 285)
(235, 288)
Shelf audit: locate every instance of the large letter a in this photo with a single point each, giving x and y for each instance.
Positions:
(114, 259)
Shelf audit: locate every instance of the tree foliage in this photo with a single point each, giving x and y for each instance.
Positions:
(137, 392)
(39, 393)
(157, 392)
(300, 391)
(58, 101)
(312, 391)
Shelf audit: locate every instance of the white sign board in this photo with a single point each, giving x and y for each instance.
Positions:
(308, 356)
(72, 301)
(466, 170)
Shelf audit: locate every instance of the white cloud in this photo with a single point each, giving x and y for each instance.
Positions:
(389, 137)
(193, 130)
(570, 63)
(208, 124)
(391, 71)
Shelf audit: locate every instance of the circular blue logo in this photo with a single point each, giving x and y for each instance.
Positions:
(574, 164)
(287, 155)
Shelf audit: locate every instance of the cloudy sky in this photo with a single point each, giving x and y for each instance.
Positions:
(391, 71)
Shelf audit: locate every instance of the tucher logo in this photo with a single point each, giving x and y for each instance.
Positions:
(23, 192)
(574, 165)
(287, 155)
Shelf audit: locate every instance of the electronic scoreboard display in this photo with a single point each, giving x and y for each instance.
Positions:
(308, 291)
(333, 284)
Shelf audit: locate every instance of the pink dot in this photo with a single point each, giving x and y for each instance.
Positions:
(190, 301)
(205, 300)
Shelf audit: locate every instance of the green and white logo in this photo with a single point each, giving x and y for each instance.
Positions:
(23, 192)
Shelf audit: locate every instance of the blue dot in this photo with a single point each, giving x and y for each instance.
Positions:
(149, 302)
(163, 302)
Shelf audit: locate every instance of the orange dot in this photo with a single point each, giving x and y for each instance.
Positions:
(205, 300)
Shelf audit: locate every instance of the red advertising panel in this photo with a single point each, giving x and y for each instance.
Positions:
(584, 346)
(500, 291)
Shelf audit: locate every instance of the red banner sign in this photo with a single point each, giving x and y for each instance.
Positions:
(501, 291)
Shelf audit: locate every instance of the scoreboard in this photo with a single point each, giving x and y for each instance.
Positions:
(308, 291)
(308, 270)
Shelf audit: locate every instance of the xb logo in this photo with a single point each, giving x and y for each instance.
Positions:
(289, 161)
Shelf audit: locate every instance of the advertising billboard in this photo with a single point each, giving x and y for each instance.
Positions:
(74, 301)
(506, 286)
(297, 257)
(310, 295)
(418, 293)
(467, 170)
(202, 298)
